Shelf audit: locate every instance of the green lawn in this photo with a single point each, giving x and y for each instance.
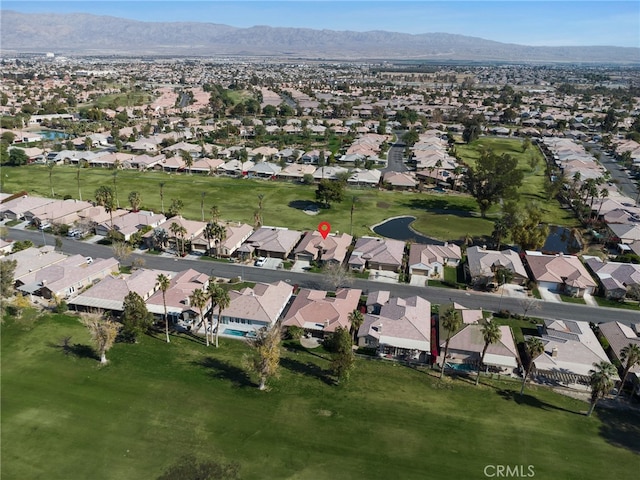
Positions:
(532, 186)
(445, 217)
(63, 416)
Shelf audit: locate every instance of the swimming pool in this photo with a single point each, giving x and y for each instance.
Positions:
(234, 333)
(461, 367)
(238, 333)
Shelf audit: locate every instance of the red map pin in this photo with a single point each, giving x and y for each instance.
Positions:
(324, 228)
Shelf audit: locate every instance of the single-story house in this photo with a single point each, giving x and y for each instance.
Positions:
(465, 350)
(400, 330)
(570, 350)
(276, 242)
(181, 286)
(430, 260)
(332, 249)
(483, 264)
(236, 234)
(109, 293)
(615, 277)
(251, 309)
(560, 273)
(67, 277)
(619, 336)
(376, 253)
(318, 313)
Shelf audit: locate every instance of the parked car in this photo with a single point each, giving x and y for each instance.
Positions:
(44, 226)
(260, 261)
(89, 260)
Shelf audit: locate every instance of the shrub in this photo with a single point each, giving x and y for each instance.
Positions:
(61, 307)
(294, 332)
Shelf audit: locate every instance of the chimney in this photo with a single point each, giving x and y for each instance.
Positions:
(554, 352)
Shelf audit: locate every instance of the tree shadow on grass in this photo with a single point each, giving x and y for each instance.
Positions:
(530, 401)
(76, 350)
(304, 205)
(225, 371)
(620, 427)
(296, 347)
(441, 206)
(308, 368)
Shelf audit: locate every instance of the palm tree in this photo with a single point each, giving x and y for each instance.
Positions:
(135, 200)
(490, 334)
(78, 179)
(356, 319)
(199, 300)
(163, 283)
(209, 234)
(534, 348)
(50, 167)
(104, 197)
(116, 166)
(601, 382)
(160, 238)
(178, 230)
(187, 159)
(629, 357)
(451, 321)
(202, 195)
(215, 213)
(222, 300)
(220, 235)
(162, 197)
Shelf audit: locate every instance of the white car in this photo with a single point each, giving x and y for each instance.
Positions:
(260, 261)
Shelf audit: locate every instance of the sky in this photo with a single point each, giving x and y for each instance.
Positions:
(524, 22)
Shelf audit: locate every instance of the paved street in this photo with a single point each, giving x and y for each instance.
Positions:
(471, 299)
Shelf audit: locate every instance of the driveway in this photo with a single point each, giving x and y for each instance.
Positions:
(383, 276)
(548, 296)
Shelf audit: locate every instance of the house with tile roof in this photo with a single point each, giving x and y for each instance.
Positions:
(615, 277)
(560, 273)
(15, 209)
(275, 242)
(181, 286)
(620, 335)
(130, 223)
(465, 348)
(333, 249)
(251, 309)
(483, 264)
(375, 253)
(33, 259)
(67, 277)
(109, 293)
(570, 350)
(401, 329)
(236, 233)
(318, 313)
(430, 260)
(63, 212)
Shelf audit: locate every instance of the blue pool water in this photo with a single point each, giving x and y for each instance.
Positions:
(235, 333)
(462, 367)
(238, 333)
(52, 134)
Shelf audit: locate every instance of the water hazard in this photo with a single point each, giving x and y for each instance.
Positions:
(400, 229)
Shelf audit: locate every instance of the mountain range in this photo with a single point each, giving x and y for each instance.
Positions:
(85, 34)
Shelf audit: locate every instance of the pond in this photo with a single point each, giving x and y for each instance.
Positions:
(561, 240)
(399, 228)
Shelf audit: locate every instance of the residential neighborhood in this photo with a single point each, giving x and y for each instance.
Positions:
(262, 245)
